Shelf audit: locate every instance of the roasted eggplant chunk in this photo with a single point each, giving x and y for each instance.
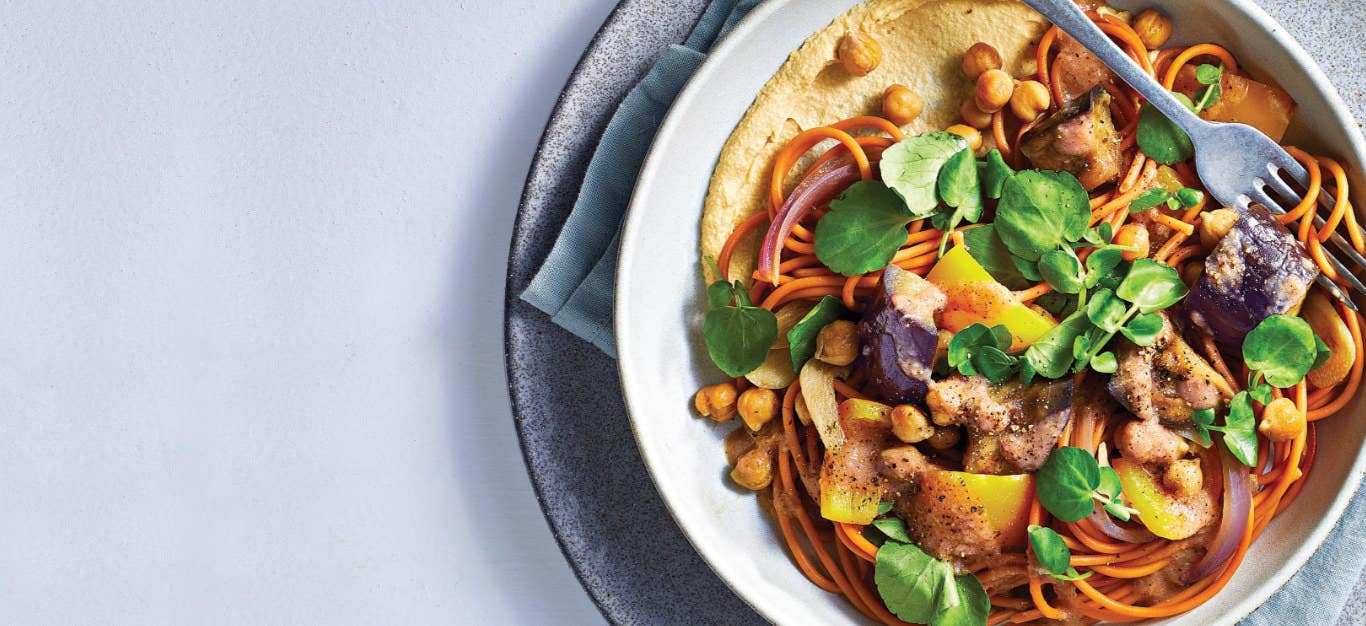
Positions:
(1080, 139)
(1011, 427)
(898, 337)
(1165, 380)
(1255, 271)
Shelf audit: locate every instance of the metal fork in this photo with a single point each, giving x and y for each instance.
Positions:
(1236, 162)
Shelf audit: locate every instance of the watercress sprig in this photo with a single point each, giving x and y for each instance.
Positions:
(1053, 554)
(1071, 483)
(739, 335)
(1280, 351)
(1160, 138)
(865, 227)
(979, 349)
(1210, 76)
(921, 589)
(1184, 198)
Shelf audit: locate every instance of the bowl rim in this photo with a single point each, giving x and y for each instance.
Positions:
(652, 165)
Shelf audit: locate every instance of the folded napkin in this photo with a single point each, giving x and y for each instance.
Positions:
(575, 285)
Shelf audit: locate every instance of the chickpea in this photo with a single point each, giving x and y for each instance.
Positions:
(716, 401)
(994, 88)
(945, 437)
(1214, 225)
(901, 105)
(909, 424)
(1153, 28)
(754, 470)
(758, 406)
(974, 116)
(979, 58)
(1281, 420)
(969, 133)
(837, 343)
(1133, 236)
(859, 53)
(1183, 477)
(1030, 100)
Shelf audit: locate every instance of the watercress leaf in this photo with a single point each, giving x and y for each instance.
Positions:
(1282, 348)
(1062, 270)
(959, 187)
(738, 338)
(1143, 329)
(718, 294)
(909, 581)
(1149, 199)
(911, 167)
(1080, 346)
(1001, 333)
(1066, 481)
(894, 528)
(1105, 310)
(1208, 74)
(991, 253)
(1205, 97)
(1026, 372)
(1049, 549)
(1107, 232)
(1041, 211)
(1321, 353)
(1240, 430)
(1110, 485)
(1201, 421)
(1260, 392)
(1028, 269)
(1105, 363)
(801, 340)
(967, 341)
(994, 174)
(863, 230)
(884, 508)
(1152, 286)
(740, 294)
(962, 602)
(1162, 140)
(995, 365)
(1101, 263)
(1189, 197)
(1059, 304)
(1051, 355)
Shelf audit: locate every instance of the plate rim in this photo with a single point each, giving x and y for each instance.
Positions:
(668, 127)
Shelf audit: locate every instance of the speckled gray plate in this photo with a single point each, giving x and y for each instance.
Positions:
(577, 442)
(592, 485)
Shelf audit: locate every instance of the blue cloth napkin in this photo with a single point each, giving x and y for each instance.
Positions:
(575, 285)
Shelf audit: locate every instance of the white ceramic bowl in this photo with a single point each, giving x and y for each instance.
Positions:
(659, 310)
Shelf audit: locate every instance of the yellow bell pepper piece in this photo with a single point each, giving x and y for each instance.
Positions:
(971, 301)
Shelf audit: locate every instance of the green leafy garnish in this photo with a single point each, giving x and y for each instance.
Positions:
(994, 172)
(1282, 348)
(1111, 488)
(1053, 554)
(1069, 486)
(1149, 199)
(801, 340)
(1152, 286)
(1321, 353)
(1209, 76)
(1063, 270)
(1051, 355)
(1203, 421)
(1041, 211)
(738, 337)
(911, 168)
(1161, 139)
(1105, 363)
(979, 349)
(865, 227)
(959, 188)
(1106, 311)
(991, 253)
(1187, 197)
(921, 589)
(893, 528)
(1143, 329)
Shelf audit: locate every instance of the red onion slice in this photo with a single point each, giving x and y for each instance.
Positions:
(819, 186)
(1233, 522)
(1104, 524)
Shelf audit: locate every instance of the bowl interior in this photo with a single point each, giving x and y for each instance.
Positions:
(659, 311)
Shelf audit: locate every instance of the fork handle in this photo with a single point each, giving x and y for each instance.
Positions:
(1070, 18)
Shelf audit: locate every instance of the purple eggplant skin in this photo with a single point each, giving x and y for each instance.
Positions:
(898, 337)
(1255, 271)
